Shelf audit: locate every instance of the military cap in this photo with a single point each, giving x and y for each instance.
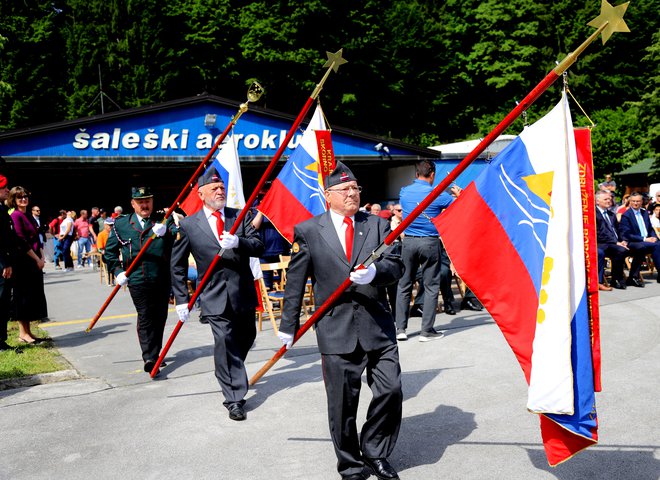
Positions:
(210, 176)
(141, 192)
(341, 174)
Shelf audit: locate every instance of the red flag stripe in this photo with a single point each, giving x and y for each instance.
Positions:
(283, 209)
(499, 279)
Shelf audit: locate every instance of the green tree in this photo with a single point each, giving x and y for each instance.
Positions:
(423, 72)
(30, 64)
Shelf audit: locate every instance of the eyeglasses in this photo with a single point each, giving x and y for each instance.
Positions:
(345, 191)
(22, 197)
(36, 211)
(398, 209)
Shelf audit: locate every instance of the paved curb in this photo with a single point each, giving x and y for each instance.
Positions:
(39, 379)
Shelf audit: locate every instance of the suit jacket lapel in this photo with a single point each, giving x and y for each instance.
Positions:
(230, 218)
(135, 222)
(203, 224)
(329, 235)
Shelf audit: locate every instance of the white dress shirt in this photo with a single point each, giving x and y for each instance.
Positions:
(340, 227)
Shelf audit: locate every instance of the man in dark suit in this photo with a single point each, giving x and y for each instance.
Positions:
(609, 242)
(229, 299)
(149, 282)
(358, 333)
(637, 230)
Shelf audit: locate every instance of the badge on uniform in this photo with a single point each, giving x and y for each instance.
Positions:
(295, 248)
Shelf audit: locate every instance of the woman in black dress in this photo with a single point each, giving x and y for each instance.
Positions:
(29, 299)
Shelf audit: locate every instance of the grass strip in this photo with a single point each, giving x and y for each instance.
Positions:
(26, 360)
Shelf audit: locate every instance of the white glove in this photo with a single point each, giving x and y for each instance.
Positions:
(287, 339)
(159, 229)
(121, 279)
(228, 241)
(363, 276)
(183, 312)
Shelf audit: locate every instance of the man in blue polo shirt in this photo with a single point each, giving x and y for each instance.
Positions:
(421, 249)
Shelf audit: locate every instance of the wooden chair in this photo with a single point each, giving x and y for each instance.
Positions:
(308, 299)
(275, 296)
(268, 307)
(649, 266)
(96, 259)
(460, 284)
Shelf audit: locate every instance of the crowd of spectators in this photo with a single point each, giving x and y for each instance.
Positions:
(628, 234)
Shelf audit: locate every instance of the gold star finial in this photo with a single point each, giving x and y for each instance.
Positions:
(335, 60)
(613, 17)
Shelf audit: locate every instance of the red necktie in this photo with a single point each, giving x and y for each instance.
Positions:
(220, 224)
(348, 237)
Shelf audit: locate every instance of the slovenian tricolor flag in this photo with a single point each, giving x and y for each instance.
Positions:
(515, 237)
(228, 165)
(296, 194)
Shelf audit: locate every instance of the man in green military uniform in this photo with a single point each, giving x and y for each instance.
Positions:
(149, 281)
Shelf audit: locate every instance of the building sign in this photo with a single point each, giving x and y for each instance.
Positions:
(178, 132)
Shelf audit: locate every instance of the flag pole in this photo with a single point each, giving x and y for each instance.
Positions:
(609, 19)
(333, 63)
(254, 93)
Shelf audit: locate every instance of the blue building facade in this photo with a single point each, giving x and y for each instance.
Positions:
(94, 161)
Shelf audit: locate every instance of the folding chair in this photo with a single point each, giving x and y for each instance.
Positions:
(275, 296)
(268, 306)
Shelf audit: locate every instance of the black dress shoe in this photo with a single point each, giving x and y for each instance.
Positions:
(149, 365)
(203, 320)
(381, 468)
(449, 309)
(5, 347)
(416, 311)
(237, 412)
(471, 305)
(637, 282)
(619, 285)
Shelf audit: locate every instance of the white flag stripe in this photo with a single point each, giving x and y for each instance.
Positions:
(228, 158)
(551, 147)
(308, 140)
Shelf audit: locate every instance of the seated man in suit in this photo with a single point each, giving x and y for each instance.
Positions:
(636, 229)
(609, 242)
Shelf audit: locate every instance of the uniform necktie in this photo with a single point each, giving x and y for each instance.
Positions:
(348, 237)
(220, 224)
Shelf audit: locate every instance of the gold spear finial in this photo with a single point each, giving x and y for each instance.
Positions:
(612, 17)
(609, 21)
(335, 60)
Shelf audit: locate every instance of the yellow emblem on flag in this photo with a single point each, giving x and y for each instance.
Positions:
(541, 185)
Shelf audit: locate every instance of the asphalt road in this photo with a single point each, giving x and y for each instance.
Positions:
(464, 406)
